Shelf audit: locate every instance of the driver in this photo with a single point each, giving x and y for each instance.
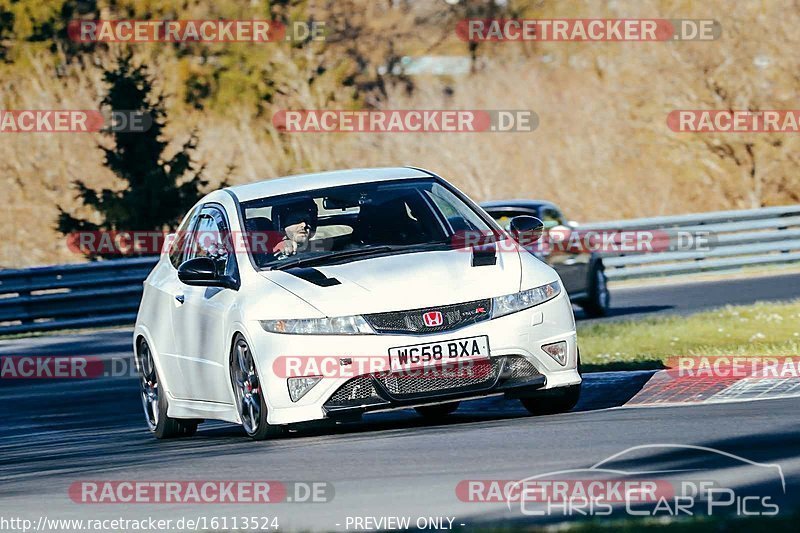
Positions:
(297, 222)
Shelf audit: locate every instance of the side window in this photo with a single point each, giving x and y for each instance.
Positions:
(210, 238)
(176, 249)
(551, 217)
(458, 215)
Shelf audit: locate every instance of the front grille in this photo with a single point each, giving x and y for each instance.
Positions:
(454, 316)
(405, 386)
(518, 368)
(353, 391)
(481, 373)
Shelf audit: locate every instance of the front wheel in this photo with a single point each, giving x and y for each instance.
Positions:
(154, 400)
(249, 393)
(554, 401)
(560, 401)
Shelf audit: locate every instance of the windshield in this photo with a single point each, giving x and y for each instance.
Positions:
(352, 221)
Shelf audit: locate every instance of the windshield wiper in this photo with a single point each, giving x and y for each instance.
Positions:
(303, 261)
(423, 245)
(370, 250)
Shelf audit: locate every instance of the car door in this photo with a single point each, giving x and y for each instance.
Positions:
(200, 313)
(165, 287)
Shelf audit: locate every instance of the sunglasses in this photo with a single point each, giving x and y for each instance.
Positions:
(296, 218)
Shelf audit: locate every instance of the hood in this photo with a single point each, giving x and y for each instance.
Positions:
(404, 281)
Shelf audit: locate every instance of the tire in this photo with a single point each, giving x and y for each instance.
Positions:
(562, 402)
(154, 400)
(436, 412)
(599, 301)
(248, 393)
(555, 401)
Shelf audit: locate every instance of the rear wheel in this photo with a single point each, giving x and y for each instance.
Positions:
(154, 400)
(435, 412)
(249, 393)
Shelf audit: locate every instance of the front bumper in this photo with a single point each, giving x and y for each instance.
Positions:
(510, 374)
(515, 342)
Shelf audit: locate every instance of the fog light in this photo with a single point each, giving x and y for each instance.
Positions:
(558, 351)
(298, 387)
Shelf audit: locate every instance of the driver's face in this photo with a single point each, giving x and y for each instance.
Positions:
(298, 232)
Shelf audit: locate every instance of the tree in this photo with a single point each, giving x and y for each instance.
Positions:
(158, 192)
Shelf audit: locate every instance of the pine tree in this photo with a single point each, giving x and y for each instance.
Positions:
(158, 192)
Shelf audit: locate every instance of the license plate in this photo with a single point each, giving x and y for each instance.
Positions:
(439, 353)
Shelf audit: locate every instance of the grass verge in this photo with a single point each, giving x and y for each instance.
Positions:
(762, 329)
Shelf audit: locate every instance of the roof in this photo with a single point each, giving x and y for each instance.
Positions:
(319, 180)
(517, 204)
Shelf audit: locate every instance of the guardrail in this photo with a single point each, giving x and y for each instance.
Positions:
(767, 236)
(108, 292)
(104, 293)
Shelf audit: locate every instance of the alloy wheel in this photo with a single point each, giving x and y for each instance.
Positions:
(148, 379)
(246, 386)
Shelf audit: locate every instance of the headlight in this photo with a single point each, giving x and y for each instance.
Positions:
(341, 325)
(511, 303)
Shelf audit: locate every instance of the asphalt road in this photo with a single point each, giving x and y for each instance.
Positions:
(53, 434)
(56, 434)
(665, 296)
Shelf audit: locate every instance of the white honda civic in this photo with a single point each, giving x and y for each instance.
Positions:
(325, 296)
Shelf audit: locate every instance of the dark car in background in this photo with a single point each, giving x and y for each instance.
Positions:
(581, 271)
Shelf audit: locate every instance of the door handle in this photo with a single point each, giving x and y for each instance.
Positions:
(180, 298)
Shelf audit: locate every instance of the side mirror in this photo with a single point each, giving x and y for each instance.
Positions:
(199, 271)
(526, 230)
(202, 272)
